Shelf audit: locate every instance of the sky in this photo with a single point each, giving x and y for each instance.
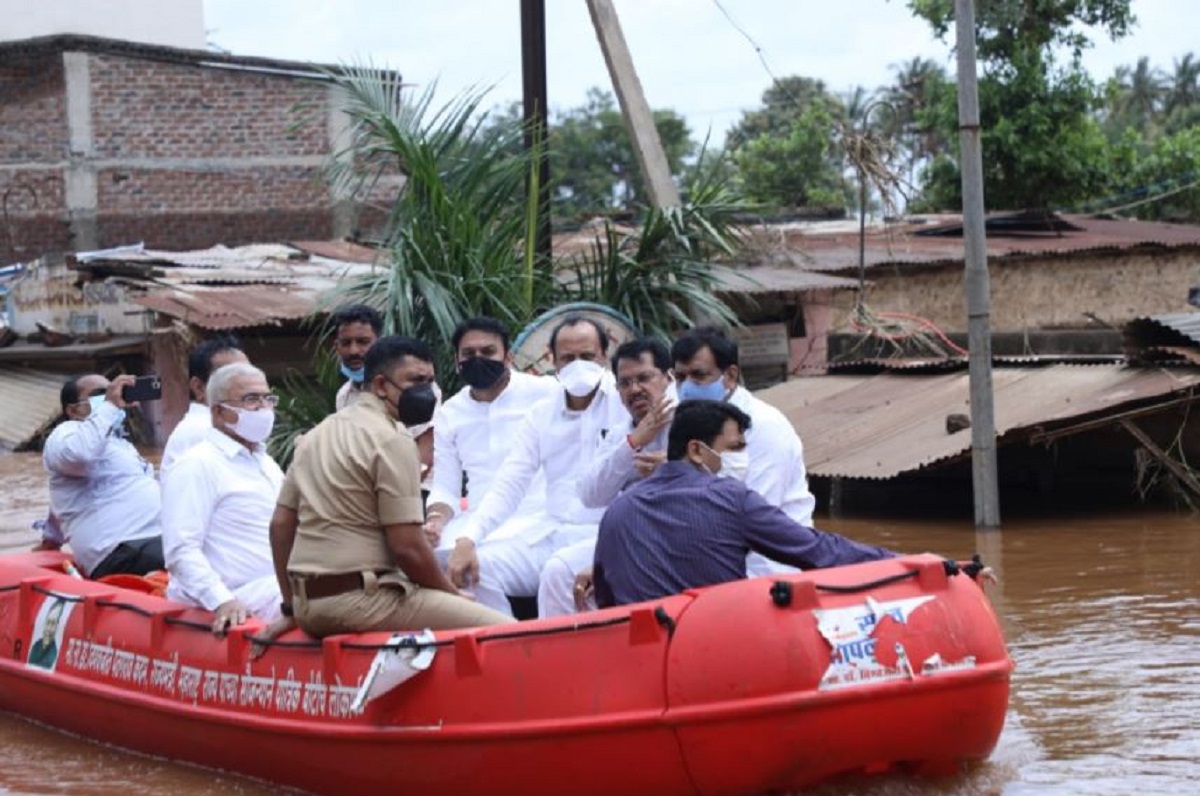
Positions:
(689, 56)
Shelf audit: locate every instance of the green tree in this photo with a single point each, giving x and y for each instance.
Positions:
(593, 169)
(592, 164)
(786, 152)
(1134, 97)
(1042, 145)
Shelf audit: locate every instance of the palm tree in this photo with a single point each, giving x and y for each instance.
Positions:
(1183, 94)
(1137, 98)
(457, 241)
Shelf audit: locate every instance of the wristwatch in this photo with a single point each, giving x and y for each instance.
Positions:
(286, 610)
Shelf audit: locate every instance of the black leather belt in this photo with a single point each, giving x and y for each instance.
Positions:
(317, 587)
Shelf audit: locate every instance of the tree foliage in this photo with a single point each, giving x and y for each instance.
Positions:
(593, 169)
(1042, 144)
(785, 151)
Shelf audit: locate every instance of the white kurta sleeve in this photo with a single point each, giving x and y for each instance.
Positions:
(608, 474)
(189, 497)
(75, 445)
(511, 482)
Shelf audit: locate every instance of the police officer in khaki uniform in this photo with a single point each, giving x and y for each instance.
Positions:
(346, 536)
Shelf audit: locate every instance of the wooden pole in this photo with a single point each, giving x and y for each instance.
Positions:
(536, 118)
(647, 146)
(978, 298)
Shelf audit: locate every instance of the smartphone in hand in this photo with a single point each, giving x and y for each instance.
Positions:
(145, 388)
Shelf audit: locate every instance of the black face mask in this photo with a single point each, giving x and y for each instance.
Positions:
(481, 373)
(416, 404)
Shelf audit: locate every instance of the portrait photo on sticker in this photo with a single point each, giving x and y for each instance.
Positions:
(48, 628)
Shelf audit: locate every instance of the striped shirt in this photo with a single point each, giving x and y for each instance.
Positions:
(682, 528)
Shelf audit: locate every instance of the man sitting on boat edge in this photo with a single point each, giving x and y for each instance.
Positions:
(218, 499)
(683, 527)
(102, 491)
(707, 365)
(347, 536)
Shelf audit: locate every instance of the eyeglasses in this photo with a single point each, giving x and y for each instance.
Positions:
(641, 380)
(255, 401)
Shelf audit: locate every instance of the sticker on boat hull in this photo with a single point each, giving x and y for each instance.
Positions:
(48, 627)
(850, 632)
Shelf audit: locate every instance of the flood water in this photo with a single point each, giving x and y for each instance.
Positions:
(1101, 615)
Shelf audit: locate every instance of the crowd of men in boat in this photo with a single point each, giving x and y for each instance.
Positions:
(627, 476)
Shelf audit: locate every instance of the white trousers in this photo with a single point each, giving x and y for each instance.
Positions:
(556, 592)
(513, 565)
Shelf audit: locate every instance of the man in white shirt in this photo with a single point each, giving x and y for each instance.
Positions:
(476, 427)
(772, 464)
(643, 377)
(102, 491)
(217, 505)
(202, 362)
(562, 436)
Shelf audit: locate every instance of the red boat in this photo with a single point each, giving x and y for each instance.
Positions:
(749, 687)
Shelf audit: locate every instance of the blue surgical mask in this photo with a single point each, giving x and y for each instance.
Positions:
(355, 375)
(713, 391)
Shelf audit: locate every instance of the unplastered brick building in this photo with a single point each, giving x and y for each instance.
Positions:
(106, 142)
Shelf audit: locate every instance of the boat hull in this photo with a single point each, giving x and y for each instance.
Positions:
(729, 690)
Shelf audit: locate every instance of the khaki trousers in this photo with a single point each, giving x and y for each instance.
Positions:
(389, 607)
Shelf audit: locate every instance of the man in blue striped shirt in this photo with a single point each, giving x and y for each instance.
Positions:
(683, 527)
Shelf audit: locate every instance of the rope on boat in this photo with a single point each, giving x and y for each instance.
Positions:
(660, 615)
(781, 590)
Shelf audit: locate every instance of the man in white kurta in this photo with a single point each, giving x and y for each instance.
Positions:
(203, 361)
(706, 366)
(476, 428)
(561, 436)
(217, 505)
(642, 368)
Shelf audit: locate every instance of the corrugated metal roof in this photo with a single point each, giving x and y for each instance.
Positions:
(1176, 328)
(772, 279)
(226, 288)
(342, 250)
(231, 308)
(904, 244)
(884, 425)
(30, 401)
(878, 364)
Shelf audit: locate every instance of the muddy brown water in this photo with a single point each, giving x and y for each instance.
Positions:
(1101, 615)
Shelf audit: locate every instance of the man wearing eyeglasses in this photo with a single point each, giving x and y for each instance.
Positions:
(643, 373)
(218, 498)
(102, 492)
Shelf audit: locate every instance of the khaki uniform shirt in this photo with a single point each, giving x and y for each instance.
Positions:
(353, 474)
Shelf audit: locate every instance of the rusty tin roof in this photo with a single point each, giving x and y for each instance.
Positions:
(885, 425)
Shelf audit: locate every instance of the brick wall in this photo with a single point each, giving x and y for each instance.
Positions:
(150, 109)
(189, 157)
(33, 136)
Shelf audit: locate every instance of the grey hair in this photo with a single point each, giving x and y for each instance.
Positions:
(217, 389)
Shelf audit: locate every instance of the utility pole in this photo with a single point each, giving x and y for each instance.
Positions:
(638, 119)
(979, 333)
(536, 117)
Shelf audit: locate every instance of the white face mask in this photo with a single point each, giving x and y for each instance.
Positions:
(734, 464)
(580, 377)
(255, 425)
